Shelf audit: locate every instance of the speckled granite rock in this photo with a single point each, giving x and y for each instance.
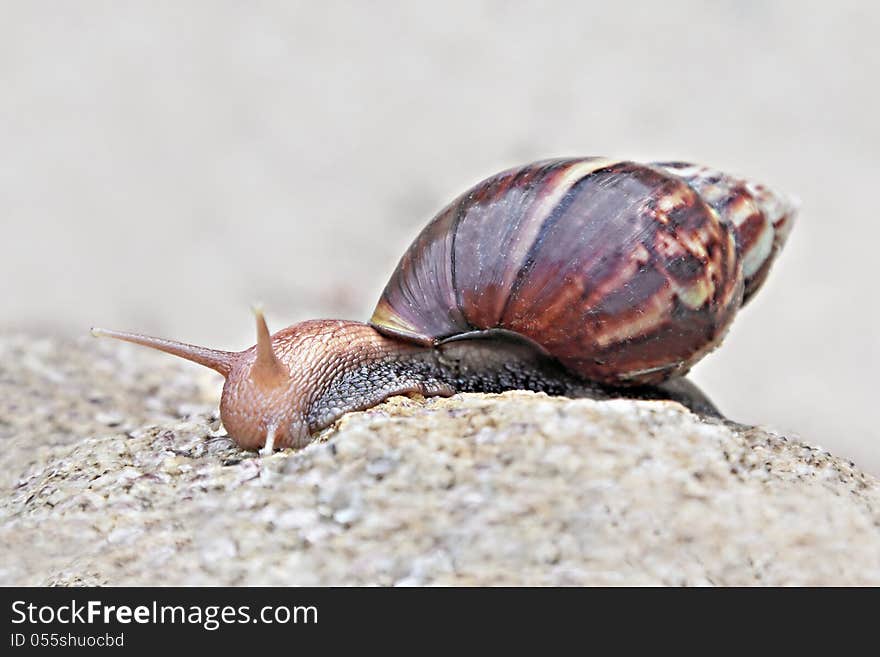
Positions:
(116, 471)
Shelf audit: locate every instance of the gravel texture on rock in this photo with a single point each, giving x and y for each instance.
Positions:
(116, 471)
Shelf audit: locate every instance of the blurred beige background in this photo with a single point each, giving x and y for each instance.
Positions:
(163, 165)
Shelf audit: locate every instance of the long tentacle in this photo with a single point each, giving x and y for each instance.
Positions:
(221, 361)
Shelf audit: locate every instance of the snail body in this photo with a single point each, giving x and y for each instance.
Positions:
(576, 276)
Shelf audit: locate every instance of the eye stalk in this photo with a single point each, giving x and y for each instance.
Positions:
(267, 370)
(220, 361)
(261, 405)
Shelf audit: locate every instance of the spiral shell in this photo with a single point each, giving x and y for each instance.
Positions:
(627, 273)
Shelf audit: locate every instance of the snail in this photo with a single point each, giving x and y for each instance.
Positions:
(578, 276)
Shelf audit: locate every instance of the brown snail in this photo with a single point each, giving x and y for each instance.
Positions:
(572, 276)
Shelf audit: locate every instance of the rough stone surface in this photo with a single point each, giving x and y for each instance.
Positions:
(116, 471)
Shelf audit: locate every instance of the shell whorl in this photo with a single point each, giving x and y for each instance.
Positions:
(762, 220)
(627, 273)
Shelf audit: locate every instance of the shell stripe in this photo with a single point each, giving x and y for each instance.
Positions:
(552, 210)
(484, 205)
(505, 215)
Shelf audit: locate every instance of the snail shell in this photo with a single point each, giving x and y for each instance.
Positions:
(626, 273)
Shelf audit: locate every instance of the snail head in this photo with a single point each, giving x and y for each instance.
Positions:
(268, 387)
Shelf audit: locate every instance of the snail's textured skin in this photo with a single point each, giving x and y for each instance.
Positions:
(582, 277)
(349, 366)
(627, 273)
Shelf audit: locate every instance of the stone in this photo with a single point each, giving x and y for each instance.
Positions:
(511, 489)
